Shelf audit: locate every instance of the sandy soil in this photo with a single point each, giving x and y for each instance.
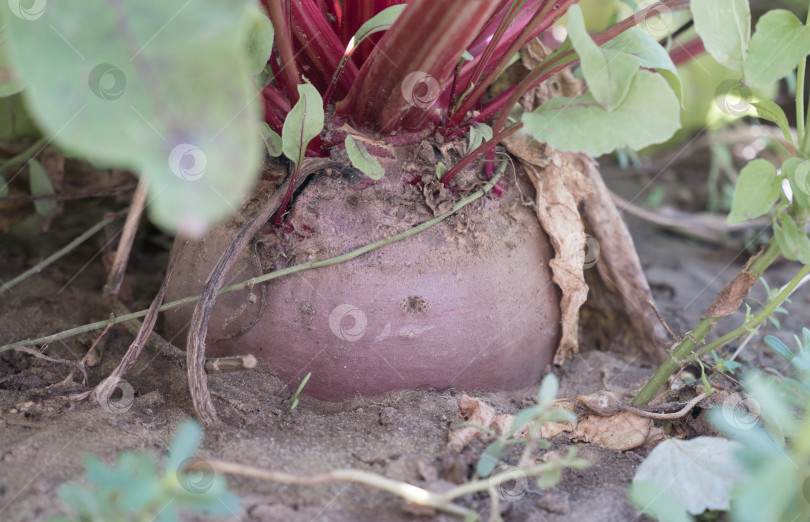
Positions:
(43, 437)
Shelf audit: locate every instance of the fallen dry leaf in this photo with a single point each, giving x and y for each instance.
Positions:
(473, 411)
(623, 431)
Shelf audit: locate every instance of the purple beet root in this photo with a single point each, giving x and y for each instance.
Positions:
(467, 304)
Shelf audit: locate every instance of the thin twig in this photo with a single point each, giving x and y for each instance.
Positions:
(230, 364)
(666, 416)
(661, 320)
(109, 218)
(40, 355)
(116, 276)
(105, 388)
(67, 197)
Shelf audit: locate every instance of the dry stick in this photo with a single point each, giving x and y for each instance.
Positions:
(40, 355)
(195, 345)
(666, 416)
(105, 388)
(230, 364)
(75, 195)
(109, 218)
(415, 494)
(124, 315)
(119, 266)
(682, 350)
(662, 321)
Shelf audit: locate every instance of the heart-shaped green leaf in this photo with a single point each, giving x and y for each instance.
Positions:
(756, 191)
(581, 124)
(303, 123)
(725, 28)
(780, 42)
(608, 74)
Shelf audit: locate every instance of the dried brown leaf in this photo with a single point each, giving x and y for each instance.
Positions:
(473, 411)
(623, 431)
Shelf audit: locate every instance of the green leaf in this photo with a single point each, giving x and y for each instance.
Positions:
(779, 347)
(303, 123)
(548, 391)
(582, 125)
(657, 502)
(772, 112)
(725, 28)
(524, 417)
(260, 39)
(184, 445)
(382, 21)
(362, 160)
(479, 133)
(780, 42)
(798, 174)
(441, 170)
(650, 54)
(152, 87)
(756, 191)
(792, 240)
(608, 74)
(550, 478)
(40, 184)
(84, 501)
(490, 457)
(272, 141)
(9, 80)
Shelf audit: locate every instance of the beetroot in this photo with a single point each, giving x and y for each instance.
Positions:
(468, 303)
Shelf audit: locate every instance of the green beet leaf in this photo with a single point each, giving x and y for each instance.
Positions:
(608, 74)
(260, 39)
(581, 124)
(725, 28)
(756, 192)
(792, 240)
(772, 112)
(649, 53)
(40, 184)
(362, 160)
(163, 89)
(303, 123)
(780, 42)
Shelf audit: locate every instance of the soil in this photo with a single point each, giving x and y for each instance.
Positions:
(43, 436)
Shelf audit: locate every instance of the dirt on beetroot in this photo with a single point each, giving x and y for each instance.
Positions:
(401, 435)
